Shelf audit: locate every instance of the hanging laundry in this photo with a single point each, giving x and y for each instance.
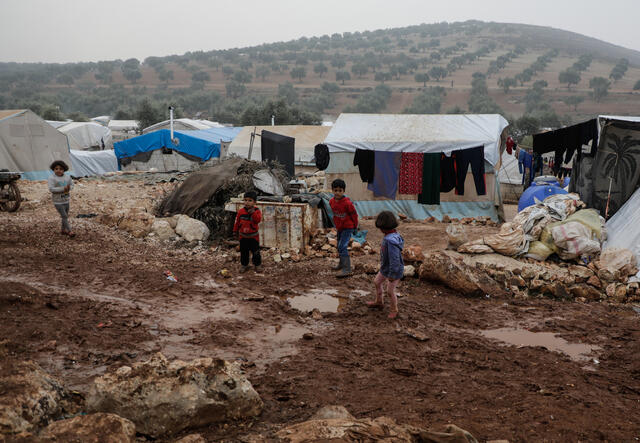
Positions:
(447, 173)
(321, 156)
(528, 171)
(387, 169)
(475, 157)
(364, 159)
(510, 145)
(410, 173)
(521, 155)
(280, 148)
(430, 179)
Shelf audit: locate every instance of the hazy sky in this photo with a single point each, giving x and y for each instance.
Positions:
(91, 30)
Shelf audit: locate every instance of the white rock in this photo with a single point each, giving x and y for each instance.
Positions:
(409, 271)
(192, 229)
(163, 229)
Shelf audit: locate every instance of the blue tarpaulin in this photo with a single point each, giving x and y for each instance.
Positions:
(204, 144)
(539, 193)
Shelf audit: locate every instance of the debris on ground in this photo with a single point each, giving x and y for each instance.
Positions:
(91, 428)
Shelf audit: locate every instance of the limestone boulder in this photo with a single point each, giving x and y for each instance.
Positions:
(30, 397)
(191, 229)
(585, 291)
(412, 254)
(92, 428)
(409, 271)
(580, 273)
(449, 269)
(162, 228)
(164, 397)
(136, 222)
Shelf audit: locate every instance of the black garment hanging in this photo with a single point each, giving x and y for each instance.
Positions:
(447, 173)
(280, 148)
(475, 157)
(566, 141)
(364, 159)
(321, 155)
(430, 194)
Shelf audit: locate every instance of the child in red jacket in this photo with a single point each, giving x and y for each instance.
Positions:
(345, 219)
(246, 227)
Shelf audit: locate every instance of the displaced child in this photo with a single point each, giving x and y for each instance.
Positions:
(60, 185)
(246, 227)
(391, 263)
(345, 219)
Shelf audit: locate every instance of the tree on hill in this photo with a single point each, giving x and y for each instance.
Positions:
(320, 68)
(263, 71)
(64, 79)
(636, 87)
(242, 77)
(359, 69)
(284, 113)
(215, 63)
(235, 89)
(422, 78)
(298, 73)
(428, 102)
(331, 88)
(570, 77)
(573, 100)
(200, 77)
(338, 62)
(133, 75)
(507, 83)
(600, 86)
(342, 76)
(438, 73)
(619, 70)
(382, 76)
(288, 92)
(245, 65)
(165, 76)
(147, 114)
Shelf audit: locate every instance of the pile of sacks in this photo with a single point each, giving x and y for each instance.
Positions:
(557, 225)
(140, 223)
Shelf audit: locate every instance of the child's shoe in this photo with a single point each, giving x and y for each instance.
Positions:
(257, 269)
(346, 269)
(244, 269)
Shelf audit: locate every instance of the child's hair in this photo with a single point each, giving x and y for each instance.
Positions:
(60, 163)
(338, 183)
(386, 220)
(252, 195)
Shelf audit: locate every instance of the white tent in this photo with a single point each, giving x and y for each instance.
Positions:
(306, 138)
(90, 163)
(509, 173)
(123, 125)
(421, 134)
(29, 144)
(183, 124)
(87, 135)
(102, 119)
(56, 124)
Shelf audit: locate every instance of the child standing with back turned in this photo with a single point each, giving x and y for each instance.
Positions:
(60, 185)
(391, 263)
(246, 227)
(345, 219)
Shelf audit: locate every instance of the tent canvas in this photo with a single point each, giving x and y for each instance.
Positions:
(87, 135)
(29, 144)
(509, 173)
(306, 136)
(182, 124)
(417, 133)
(90, 163)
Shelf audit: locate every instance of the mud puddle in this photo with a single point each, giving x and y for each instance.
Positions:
(549, 340)
(324, 300)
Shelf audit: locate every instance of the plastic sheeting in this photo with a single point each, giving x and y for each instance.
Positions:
(418, 133)
(509, 173)
(623, 229)
(183, 124)
(415, 210)
(85, 135)
(203, 144)
(90, 163)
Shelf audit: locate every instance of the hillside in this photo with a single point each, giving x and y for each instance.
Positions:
(427, 68)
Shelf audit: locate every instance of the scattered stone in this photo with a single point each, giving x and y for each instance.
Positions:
(192, 438)
(446, 219)
(585, 292)
(415, 334)
(370, 268)
(136, 222)
(308, 336)
(277, 258)
(611, 290)
(332, 412)
(431, 219)
(316, 315)
(326, 247)
(36, 397)
(356, 246)
(580, 273)
(402, 216)
(164, 397)
(162, 229)
(620, 295)
(412, 254)
(516, 280)
(409, 271)
(333, 242)
(536, 284)
(92, 428)
(285, 256)
(191, 229)
(528, 273)
(594, 281)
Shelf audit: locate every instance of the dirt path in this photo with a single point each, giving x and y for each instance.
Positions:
(84, 306)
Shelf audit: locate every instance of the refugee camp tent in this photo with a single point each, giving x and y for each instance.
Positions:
(183, 124)
(306, 138)
(29, 144)
(605, 171)
(87, 136)
(91, 163)
(188, 150)
(123, 125)
(420, 134)
(102, 119)
(56, 123)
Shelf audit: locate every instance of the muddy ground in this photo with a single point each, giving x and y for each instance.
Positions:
(83, 306)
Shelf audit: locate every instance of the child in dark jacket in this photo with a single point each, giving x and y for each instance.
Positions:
(246, 227)
(345, 219)
(391, 263)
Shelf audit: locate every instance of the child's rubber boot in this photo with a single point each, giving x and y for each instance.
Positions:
(346, 269)
(244, 269)
(339, 266)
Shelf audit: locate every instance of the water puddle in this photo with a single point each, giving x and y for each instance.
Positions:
(548, 340)
(360, 292)
(324, 300)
